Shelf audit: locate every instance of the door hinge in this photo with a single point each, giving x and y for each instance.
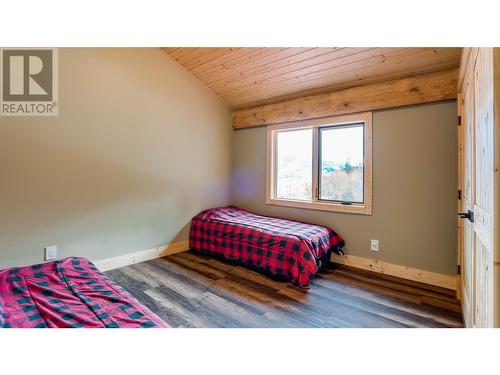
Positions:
(459, 120)
(459, 194)
(458, 269)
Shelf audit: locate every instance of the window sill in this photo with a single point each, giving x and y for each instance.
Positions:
(360, 209)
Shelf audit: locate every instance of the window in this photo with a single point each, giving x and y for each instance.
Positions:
(341, 163)
(322, 164)
(293, 164)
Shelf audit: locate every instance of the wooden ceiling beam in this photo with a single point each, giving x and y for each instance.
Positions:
(425, 88)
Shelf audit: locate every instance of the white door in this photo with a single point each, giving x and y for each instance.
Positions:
(467, 203)
(483, 205)
(478, 193)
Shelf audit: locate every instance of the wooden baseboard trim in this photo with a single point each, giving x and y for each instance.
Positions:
(414, 274)
(141, 256)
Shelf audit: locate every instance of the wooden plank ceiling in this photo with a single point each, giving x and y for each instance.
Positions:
(250, 77)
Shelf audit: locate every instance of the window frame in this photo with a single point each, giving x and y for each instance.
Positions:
(315, 203)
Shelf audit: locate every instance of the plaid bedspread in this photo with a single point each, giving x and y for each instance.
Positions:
(70, 292)
(284, 248)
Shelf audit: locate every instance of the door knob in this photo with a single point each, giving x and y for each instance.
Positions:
(469, 215)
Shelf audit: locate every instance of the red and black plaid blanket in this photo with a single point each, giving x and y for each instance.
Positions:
(70, 292)
(283, 248)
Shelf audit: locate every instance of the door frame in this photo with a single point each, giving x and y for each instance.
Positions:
(460, 172)
(468, 59)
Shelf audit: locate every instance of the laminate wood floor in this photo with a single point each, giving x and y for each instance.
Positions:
(191, 290)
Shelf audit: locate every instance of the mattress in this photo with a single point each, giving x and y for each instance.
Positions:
(71, 293)
(283, 248)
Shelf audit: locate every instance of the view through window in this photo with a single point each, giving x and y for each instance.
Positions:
(341, 163)
(294, 164)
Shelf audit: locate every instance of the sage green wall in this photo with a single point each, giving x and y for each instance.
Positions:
(138, 148)
(414, 188)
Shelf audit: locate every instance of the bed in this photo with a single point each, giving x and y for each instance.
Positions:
(284, 249)
(70, 292)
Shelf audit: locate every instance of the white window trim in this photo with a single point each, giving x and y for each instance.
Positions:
(315, 204)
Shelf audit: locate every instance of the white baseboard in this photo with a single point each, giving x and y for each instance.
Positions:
(141, 256)
(414, 274)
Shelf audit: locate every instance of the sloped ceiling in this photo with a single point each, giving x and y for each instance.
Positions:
(249, 77)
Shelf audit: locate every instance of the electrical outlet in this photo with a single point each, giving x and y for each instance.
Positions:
(51, 252)
(374, 245)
